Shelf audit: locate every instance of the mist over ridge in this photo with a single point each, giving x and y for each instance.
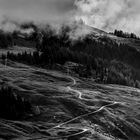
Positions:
(106, 15)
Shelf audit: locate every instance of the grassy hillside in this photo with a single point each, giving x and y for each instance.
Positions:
(74, 90)
(68, 108)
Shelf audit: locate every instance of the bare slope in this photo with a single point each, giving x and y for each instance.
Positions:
(69, 108)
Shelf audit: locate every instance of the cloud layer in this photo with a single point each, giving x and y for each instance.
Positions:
(110, 14)
(103, 14)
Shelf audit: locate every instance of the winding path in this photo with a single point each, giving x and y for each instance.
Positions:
(78, 117)
(77, 92)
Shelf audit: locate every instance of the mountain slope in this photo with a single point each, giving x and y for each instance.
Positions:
(97, 34)
(67, 107)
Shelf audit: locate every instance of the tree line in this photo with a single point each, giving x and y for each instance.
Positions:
(120, 33)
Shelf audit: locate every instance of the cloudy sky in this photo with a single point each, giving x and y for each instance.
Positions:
(104, 14)
(37, 10)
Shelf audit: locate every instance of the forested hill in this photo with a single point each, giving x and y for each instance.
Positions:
(102, 56)
(67, 85)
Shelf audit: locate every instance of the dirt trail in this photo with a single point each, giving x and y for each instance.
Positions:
(31, 75)
(70, 89)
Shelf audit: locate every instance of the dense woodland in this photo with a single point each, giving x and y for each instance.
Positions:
(12, 105)
(103, 59)
(6, 39)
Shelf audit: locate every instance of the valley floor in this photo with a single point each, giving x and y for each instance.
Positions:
(69, 108)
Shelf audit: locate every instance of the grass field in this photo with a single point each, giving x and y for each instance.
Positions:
(67, 107)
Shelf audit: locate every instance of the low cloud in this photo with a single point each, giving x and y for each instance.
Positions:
(103, 14)
(110, 14)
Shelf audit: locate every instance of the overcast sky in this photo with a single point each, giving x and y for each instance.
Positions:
(37, 10)
(103, 14)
